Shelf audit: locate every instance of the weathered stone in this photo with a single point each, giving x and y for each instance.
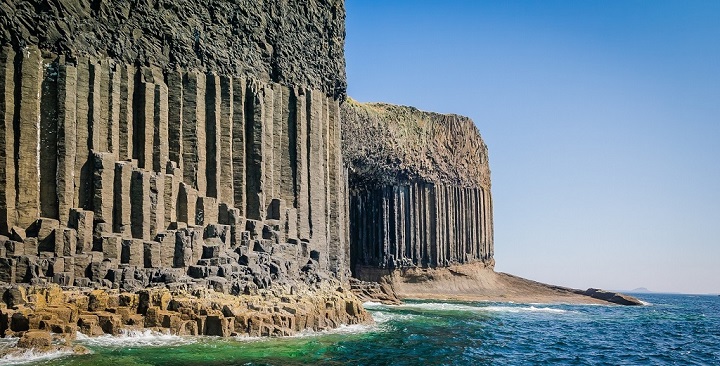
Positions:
(152, 254)
(64, 278)
(7, 270)
(193, 131)
(187, 203)
(140, 204)
(28, 169)
(7, 140)
(166, 239)
(65, 241)
(103, 186)
(122, 199)
(82, 222)
(37, 339)
(14, 248)
(133, 252)
(157, 203)
(27, 268)
(18, 234)
(112, 247)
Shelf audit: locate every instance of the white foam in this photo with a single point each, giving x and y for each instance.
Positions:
(135, 338)
(31, 355)
(502, 309)
(645, 303)
(372, 304)
(342, 329)
(382, 317)
(525, 309)
(440, 306)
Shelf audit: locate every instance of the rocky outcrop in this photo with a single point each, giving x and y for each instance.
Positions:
(419, 186)
(381, 291)
(182, 147)
(282, 311)
(610, 296)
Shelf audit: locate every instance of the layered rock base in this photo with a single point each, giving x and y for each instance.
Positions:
(45, 316)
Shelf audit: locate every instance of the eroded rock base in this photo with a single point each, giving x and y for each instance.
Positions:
(43, 316)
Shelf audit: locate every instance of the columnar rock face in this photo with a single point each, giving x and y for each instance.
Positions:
(185, 143)
(419, 188)
(234, 186)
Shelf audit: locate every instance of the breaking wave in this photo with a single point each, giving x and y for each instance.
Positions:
(440, 306)
(32, 356)
(135, 338)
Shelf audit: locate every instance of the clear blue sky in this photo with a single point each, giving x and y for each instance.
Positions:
(602, 119)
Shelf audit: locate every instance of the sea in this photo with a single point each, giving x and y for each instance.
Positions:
(667, 330)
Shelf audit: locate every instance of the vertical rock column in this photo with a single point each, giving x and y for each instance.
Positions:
(226, 192)
(279, 107)
(336, 199)
(193, 131)
(157, 204)
(122, 211)
(7, 140)
(254, 151)
(267, 148)
(302, 202)
(83, 168)
(288, 153)
(28, 167)
(125, 112)
(316, 172)
(104, 187)
(114, 103)
(239, 134)
(143, 125)
(160, 139)
(213, 96)
(175, 117)
(48, 141)
(140, 204)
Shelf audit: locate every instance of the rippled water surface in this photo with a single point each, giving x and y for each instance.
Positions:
(672, 329)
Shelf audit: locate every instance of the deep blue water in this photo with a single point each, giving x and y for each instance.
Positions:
(672, 329)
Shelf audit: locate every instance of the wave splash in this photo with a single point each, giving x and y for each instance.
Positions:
(135, 338)
(465, 307)
(31, 356)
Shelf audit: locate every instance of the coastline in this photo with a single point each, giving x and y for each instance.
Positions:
(49, 318)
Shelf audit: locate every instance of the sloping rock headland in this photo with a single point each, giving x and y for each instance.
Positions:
(421, 222)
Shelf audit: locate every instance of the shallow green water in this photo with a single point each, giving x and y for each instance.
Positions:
(673, 329)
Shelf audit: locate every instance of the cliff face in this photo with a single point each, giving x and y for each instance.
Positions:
(419, 186)
(184, 144)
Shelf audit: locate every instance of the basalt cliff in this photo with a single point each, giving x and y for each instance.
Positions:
(172, 165)
(421, 222)
(419, 188)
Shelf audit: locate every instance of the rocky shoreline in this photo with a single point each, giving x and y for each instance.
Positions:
(50, 317)
(474, 282)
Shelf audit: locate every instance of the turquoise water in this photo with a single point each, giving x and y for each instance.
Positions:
(672, 329)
